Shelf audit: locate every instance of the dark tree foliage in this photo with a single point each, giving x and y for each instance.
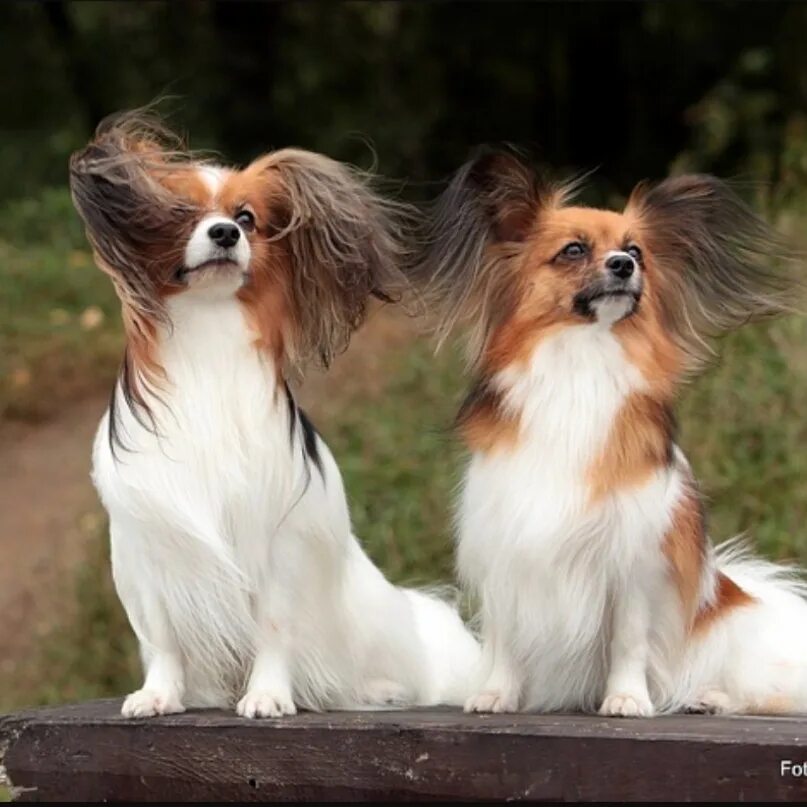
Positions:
(631, 88)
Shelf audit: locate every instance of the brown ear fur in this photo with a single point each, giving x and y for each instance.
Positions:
(343, 242)
(472, 238)
(134, 223)
(718, 263)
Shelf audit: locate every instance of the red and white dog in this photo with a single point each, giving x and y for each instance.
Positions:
(580, 525)
(231, 542)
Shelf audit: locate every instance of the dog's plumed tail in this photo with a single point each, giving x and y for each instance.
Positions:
(758, 651)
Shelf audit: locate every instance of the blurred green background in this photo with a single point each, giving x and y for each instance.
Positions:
(634, 90)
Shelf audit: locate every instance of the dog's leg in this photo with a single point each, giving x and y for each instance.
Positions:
(626, 693)
(269, 692)
(164, 685)
(502, 689)
(162, 690)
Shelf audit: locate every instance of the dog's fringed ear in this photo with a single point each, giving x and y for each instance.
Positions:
(344, 243)
(128, 213)
(470, 239)
(718, 263)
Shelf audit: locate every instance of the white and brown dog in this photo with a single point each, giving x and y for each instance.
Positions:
(232, 549)
(580, 527)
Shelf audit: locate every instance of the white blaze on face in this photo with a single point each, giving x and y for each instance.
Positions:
(213, 178)
(611, 309)
(204, 246)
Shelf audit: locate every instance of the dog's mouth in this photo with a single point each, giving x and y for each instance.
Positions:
(183, 272)
(586, 300)
(613, 294)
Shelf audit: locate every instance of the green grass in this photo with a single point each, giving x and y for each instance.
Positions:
(742, 425)
(401, 464)
(58, 317)
(744, 430)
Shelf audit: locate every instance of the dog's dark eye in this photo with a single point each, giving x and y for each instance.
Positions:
(245, 220)
(575, 250)
(635, 253)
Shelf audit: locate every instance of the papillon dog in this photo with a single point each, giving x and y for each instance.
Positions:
(580, 526)
(231, 542)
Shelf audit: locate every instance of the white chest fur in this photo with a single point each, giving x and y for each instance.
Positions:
(232, 547)
(219, 413)
(545, 560)
(196, 502)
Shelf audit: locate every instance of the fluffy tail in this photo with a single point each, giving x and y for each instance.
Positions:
(410, 645)
(451, 652)
(768, 584)
(755, 653)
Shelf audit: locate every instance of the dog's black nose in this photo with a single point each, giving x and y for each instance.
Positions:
(224, 235)
(621, 265)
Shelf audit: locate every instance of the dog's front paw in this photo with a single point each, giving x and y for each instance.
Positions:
(265, 703)
(150, 702)
(492, 700)
(627, 705)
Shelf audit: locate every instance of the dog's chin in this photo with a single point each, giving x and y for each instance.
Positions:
(220, 265)
(215, 274)
(608, 307)
(614, 306)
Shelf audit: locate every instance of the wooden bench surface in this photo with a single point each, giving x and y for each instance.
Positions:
(88, 752)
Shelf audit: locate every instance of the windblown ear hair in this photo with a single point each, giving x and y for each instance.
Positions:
(344, 243)
(471, 240)
(135, 226)
(130, 216)
(718, 263)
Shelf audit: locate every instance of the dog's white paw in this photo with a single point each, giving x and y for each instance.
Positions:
(625, 705)
(384, 692)
(492, 700)
(150, 702)
(264, 703)
(711, 702)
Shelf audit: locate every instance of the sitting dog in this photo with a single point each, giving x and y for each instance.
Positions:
(580, 525)
(232, 550)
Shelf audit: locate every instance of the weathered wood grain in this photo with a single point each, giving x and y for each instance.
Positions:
(89, 753)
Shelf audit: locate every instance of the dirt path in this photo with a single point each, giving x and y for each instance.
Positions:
(46, 501)
(49, 510)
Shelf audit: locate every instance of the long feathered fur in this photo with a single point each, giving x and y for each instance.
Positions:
(720, 264)
(231, 539)
(472, 238)
(579, 525)
(134, 224)
(132, 218)
(345, 243)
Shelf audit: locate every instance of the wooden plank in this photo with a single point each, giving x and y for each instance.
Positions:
(89, 753)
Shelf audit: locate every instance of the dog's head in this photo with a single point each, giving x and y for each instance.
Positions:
(301, 239)
(685, 259)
